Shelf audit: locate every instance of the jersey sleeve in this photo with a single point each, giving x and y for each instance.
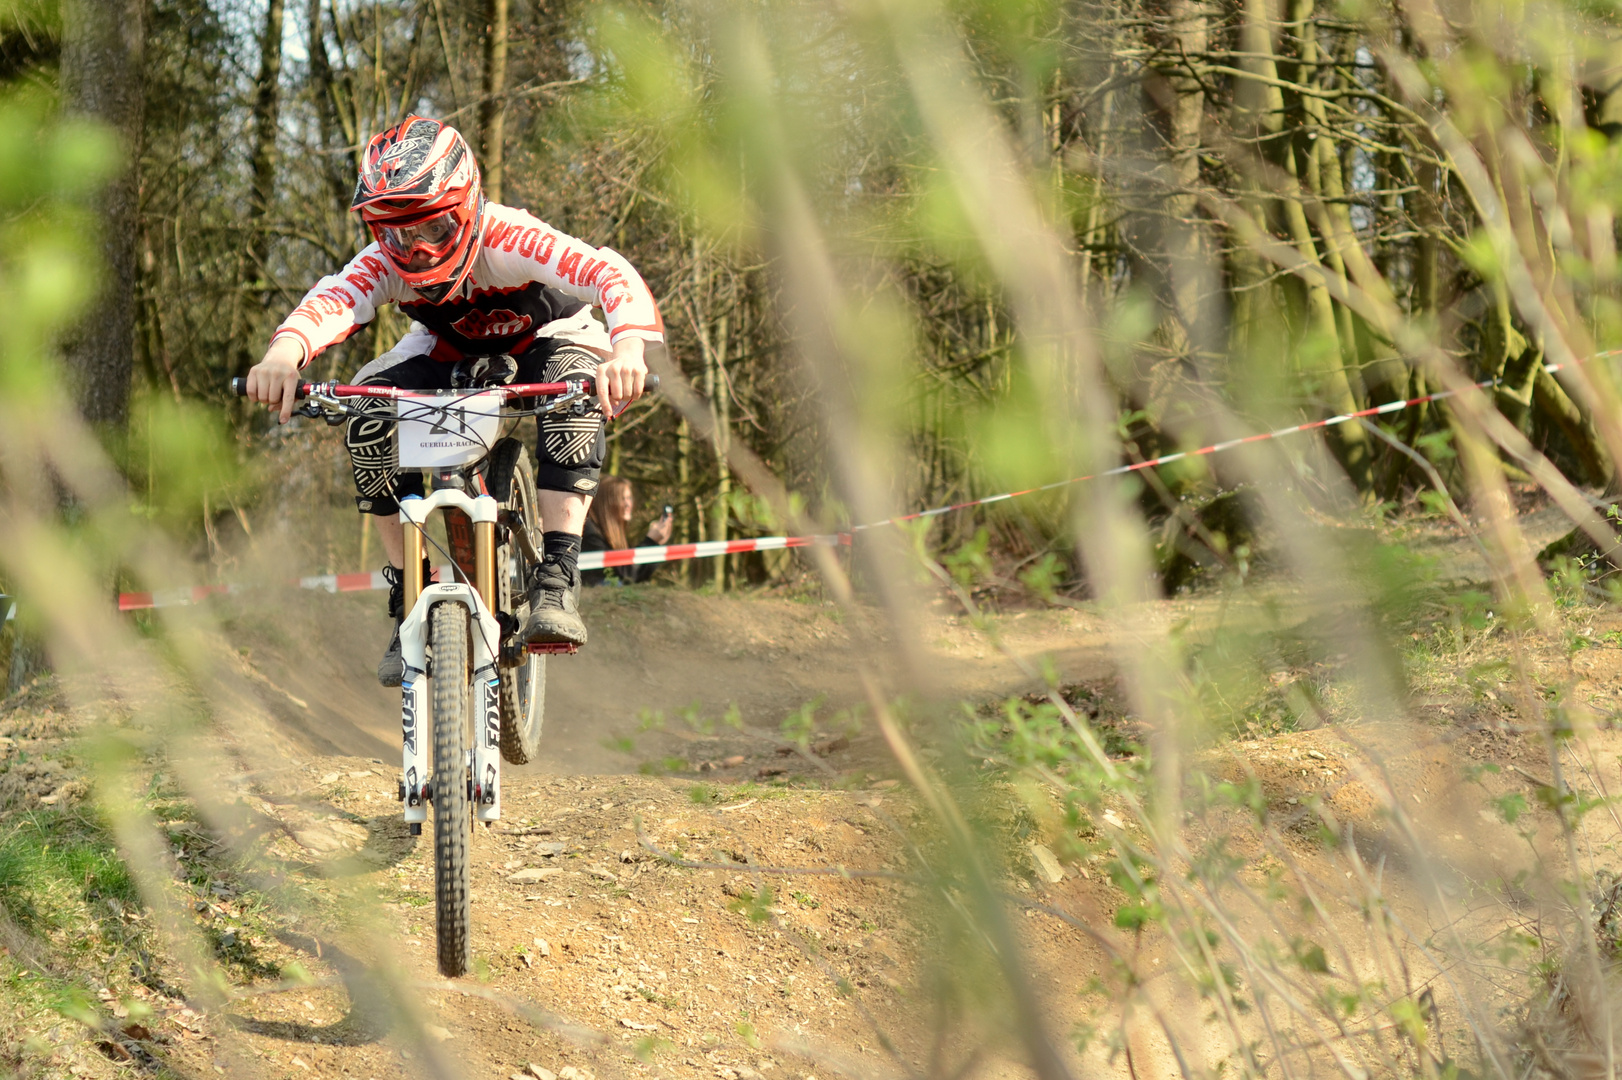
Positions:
(342, 303)
(521, 246)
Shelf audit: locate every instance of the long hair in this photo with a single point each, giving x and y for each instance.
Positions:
(605, 510)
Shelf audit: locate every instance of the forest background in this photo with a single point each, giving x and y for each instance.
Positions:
(1231, 185)
(912, 252)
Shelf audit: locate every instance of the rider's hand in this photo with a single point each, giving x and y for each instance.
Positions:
(620, 380)
(274, 380)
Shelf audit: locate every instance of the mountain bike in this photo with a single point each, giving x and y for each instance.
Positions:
(475, 689)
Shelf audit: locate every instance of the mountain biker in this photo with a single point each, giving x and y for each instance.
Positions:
(488, 286)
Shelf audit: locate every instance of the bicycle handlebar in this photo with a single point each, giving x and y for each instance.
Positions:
(239, 387)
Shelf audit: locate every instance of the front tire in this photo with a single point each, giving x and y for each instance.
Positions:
(523, 686)
(453, 809)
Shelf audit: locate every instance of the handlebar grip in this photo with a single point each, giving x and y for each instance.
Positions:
(651, 384)
(239, 387)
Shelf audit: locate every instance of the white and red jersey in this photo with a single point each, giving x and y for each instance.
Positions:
(526, 278)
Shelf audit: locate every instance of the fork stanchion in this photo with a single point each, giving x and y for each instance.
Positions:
(413, 561)
(484, 561)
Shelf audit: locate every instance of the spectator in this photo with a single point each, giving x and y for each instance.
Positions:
(606, 530)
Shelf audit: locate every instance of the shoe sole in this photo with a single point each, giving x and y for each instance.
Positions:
(543, 635)
(553, 638)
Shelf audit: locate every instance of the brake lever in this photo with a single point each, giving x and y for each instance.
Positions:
(319, 406)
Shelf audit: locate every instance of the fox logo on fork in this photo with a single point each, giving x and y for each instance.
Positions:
(408, 718)
(492, 714)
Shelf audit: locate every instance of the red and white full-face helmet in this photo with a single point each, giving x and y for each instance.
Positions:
(419, 193)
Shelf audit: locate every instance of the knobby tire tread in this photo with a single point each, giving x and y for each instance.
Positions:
(453, 810)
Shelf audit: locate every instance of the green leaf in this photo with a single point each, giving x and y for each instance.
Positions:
(1313, 959)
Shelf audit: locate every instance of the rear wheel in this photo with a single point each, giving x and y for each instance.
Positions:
(523, 686)
(453, 810)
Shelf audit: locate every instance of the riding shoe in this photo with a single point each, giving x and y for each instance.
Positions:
(391, 671)
(554, 605)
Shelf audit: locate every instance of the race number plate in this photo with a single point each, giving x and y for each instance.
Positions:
(446, 431)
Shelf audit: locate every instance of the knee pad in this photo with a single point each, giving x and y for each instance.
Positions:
(370, 442)
(569, 450)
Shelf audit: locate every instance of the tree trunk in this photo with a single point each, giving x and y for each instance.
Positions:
(685, 497)
(1257, 107)
(101, 80)
(493, 106)
(1350, 440)
(1551, 399)
(267, 110)
(266, 115)
(723, 444)
(333, 166)
(715, 389)
(1175, 245)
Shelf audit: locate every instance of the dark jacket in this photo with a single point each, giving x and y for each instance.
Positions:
(592, 539)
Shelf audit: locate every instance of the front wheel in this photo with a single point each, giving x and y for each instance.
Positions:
(453, 809)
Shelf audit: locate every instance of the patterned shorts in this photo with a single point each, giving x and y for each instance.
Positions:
(568, 450)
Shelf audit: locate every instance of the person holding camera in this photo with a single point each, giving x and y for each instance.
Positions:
(607, 529)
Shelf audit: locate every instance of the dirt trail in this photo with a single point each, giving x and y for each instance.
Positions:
(653, 651)
(699, 970)
(593, 954)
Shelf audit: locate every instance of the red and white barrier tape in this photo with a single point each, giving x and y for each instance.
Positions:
(600, 560)
(1167, 459)
(589, 560)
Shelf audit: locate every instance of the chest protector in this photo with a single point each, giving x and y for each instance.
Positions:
(487, 322)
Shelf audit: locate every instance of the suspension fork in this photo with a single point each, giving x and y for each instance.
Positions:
(484, 764)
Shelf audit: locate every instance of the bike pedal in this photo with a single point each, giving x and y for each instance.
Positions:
(553, 648)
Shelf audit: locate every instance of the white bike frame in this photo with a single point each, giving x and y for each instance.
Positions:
(415, 696)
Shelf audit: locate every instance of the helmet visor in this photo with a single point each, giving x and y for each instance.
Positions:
(434, 237)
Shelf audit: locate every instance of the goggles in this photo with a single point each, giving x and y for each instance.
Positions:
(435, 236)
